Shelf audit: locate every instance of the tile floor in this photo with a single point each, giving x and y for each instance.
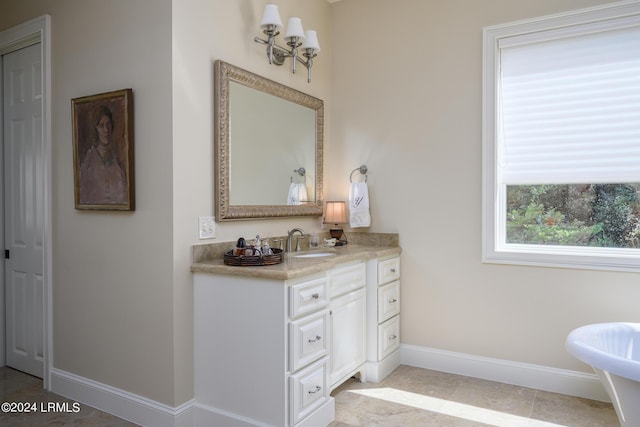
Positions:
(16, 386)
(420, 397)
(408, 397)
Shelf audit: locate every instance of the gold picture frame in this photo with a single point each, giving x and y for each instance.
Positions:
(103, 161)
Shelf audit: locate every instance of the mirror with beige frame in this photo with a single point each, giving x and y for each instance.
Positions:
(268, 148)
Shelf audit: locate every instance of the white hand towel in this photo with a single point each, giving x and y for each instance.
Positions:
(359, 215)
(297, 194)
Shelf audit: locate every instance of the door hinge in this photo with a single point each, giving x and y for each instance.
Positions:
(7, 254)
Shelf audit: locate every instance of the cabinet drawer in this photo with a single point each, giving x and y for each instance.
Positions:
(308, 340)
(346, 279)
(388, 337)
(388, 301)
(388, 270)
(307, 297)
(308, 390)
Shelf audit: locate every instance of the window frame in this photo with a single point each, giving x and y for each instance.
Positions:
(494, 246)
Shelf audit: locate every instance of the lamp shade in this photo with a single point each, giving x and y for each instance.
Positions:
(311, 41)
(294, 29)
(271, 16)
(335, 213)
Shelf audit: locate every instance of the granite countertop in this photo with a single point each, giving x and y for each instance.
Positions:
(294, 266)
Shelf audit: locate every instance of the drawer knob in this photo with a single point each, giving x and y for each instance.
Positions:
(393, 270)
(392, 300)
(314, 296)
(315, 390)
(318, 338)
(392, 337)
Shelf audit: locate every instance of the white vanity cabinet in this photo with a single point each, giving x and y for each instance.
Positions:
(348, 322)
(271, 344)
(261, 351)
(383, 317)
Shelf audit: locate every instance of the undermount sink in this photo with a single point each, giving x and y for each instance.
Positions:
(312, 254)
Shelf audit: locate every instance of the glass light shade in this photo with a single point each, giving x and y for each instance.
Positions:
(294, 29)
(271, 16)
(336, 213)
(311, 41)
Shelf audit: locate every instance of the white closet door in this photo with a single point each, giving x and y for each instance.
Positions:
(24, 209)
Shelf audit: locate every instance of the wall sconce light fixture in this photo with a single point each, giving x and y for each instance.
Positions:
(336, 213)
(295, 37)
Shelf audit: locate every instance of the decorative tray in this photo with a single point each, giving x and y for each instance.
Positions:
(254, 260)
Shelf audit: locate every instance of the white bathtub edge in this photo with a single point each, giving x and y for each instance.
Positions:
(538, 377)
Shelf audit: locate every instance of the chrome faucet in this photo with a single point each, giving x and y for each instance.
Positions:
(290, 236)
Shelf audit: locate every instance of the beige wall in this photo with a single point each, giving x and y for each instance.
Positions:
(407, 99)
(206, 30)
(122, 290)
(203, 31)
(402, 88)
(112, 272)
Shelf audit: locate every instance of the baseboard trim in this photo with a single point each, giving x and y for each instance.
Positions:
(538, 377)
(377, 371)
(129, 406)
(147, 412)
(205, 415)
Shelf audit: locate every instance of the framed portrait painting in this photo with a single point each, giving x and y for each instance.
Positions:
(103, 167)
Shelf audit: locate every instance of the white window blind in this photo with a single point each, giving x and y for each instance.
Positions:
(569, 107)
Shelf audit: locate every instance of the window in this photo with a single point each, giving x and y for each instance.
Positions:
(561, 140)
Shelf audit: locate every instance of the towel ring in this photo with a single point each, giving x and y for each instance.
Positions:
(363, 171)
(302, 172)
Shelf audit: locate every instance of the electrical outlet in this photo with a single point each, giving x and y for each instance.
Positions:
(207, 227)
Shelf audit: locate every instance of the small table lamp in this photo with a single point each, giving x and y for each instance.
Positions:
(335, 213)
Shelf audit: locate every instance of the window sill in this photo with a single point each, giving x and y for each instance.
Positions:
(610, 259)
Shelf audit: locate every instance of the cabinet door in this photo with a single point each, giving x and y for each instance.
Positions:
(348, 334)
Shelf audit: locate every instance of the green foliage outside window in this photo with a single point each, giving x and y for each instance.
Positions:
(599, 215)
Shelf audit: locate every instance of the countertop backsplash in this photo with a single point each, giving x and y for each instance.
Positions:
(213, 251)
